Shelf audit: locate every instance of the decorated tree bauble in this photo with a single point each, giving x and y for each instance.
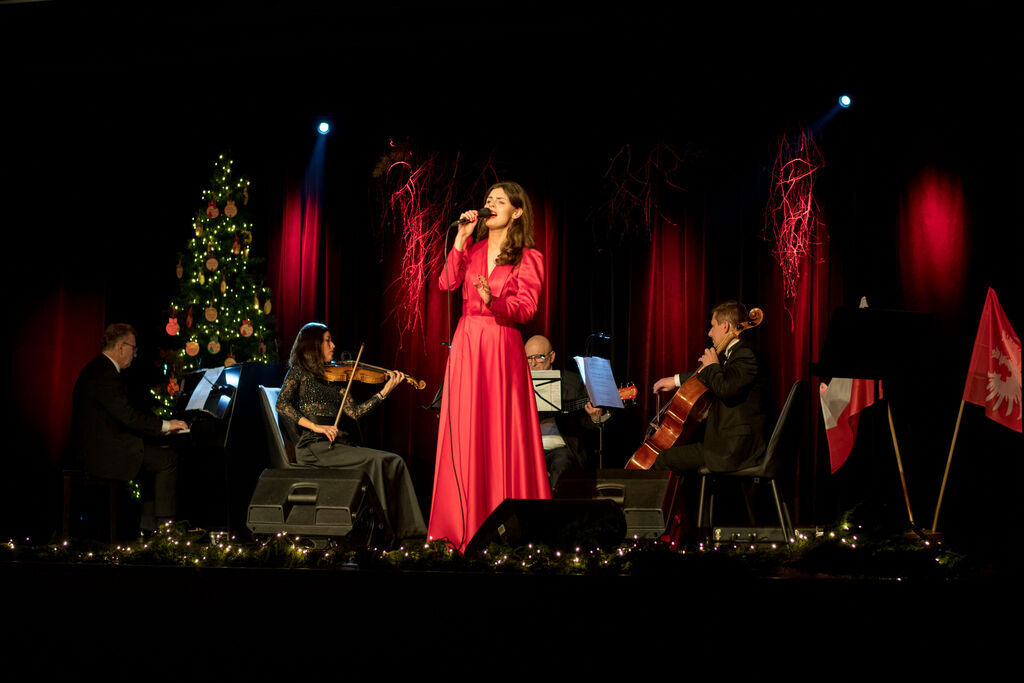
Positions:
(192, 348)
(212, 211)
(256, 300)
(172, 327)
(188, 318)
(230, 360)
(172, 386)
(211, 262)
(246, 329)
(214, 346)
(223, 285)
(210, 313)
(230, 210)
(236, 246)
(245, 254)
(266, 307)
(199, 229)
(202, 278)
(179, 270)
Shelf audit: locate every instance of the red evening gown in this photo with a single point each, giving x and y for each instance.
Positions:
(488, 443)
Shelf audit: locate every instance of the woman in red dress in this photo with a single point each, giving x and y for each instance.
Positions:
(488, 443)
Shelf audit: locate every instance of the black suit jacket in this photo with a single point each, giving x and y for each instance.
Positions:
(107, 428)
(734, 433)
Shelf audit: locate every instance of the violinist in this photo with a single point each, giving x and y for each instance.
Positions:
(311, 403)
(734, 429)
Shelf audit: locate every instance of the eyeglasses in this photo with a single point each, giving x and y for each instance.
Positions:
(135, 349)
(536, 357)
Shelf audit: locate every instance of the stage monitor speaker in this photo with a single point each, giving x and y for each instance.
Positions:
(316, 503)
(651, 502)
(562, 524)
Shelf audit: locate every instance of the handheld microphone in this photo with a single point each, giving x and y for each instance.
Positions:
(482, 213)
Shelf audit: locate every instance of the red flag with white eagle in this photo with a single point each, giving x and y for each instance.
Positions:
(993, 379)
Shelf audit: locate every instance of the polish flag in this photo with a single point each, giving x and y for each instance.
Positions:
(993, 379)
(841, 403)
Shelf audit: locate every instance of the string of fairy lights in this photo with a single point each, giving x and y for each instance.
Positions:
(840, 551)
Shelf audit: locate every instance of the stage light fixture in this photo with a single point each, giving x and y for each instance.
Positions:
(845, 101)
(324, 128)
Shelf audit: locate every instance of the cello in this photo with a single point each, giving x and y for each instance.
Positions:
(688, 407)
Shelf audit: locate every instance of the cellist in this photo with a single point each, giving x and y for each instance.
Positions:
(734, 428)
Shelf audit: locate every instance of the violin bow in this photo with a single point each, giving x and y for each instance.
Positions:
(347, 387)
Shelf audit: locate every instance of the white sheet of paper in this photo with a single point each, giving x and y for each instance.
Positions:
(547, 387)
(599, 380)
(202, 392)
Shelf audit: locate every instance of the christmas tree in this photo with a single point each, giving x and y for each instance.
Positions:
(221, 313)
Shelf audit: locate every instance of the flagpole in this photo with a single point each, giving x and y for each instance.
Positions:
(899, 464)
(949, 460)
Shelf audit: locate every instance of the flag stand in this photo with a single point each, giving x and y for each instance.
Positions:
(949, 461)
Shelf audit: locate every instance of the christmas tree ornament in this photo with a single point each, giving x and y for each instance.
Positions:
(263, 348)
(192, 348)
(245, 193)
(245, 254)
(172, 327)
(213, 347)
(202, 278)
(172, 386)
(223, 284)
(236, 246)
(247, 236)
(246, 329)
(266, 307)
(211, 262)
(212, 211)
(179, 269)
(211, 314)
(230, 210)
(199, 229)
(188, 319)
(230, 360)
(256, 300)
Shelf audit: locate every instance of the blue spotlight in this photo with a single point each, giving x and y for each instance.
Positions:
(845, 101)
(324, 128)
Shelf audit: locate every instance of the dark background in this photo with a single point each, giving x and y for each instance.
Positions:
(113, 114)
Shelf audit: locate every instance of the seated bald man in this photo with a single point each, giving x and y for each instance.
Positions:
(564, 434)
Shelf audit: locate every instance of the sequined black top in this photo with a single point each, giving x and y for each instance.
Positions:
(304, 395)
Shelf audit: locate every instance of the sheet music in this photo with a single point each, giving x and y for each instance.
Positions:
(547, 388)
(199, 397)
(599, 381)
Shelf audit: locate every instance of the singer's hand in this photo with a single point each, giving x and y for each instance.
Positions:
(483, 288)
(465, 229)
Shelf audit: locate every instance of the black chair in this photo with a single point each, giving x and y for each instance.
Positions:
(782, 443)
(282, 450)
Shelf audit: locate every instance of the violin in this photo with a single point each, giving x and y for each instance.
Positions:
(689, 407)
(369, 374)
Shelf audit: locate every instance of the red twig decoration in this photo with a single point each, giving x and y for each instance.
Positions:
(791, 220)
(635, 187)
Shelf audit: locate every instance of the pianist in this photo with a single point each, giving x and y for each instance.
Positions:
(108, 431)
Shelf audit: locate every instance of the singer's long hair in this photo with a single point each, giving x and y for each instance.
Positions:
(307, 350)
(520, 233)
